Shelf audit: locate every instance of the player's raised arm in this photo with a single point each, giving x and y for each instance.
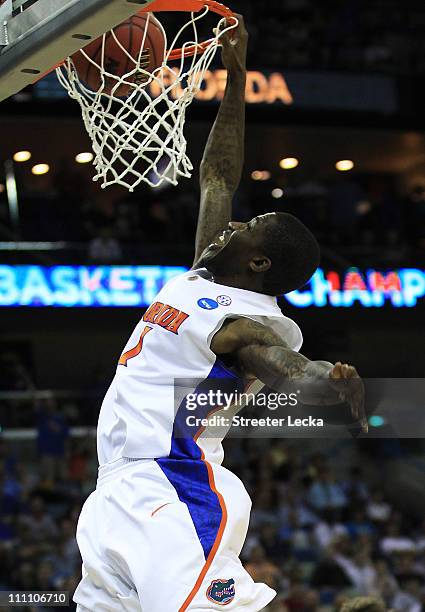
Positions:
(264, 354)
(221, 167)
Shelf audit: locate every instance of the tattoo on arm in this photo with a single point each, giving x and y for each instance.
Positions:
(256, 333)
(273, 363)
(221, 167)
(224, 153)
(260, 352)
(263, 353)
(280, 368)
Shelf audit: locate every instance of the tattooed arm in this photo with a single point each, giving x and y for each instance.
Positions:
(221, 167)
(261, 352)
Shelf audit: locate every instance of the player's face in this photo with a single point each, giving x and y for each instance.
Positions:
(237, 243)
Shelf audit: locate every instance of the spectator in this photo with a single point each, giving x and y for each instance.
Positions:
(355, 487)
(13, 374)
(359, 568)
(327, 532)
(274, 543)
(410, 598)
(364, 604)
(416, 215)
(44, 578)
(38, 522)
(384, 584)
(264, 512)
(406, 567)
(105, 249)
(25, 577)
(377, 509)
(395, 541)
(9, 506)
(157, 223)
(80, 466)
(325, 493)
(329, 573)
(52, 440)
(359, 525)
(420, 542)
(63, 565)
(345, 195)
(261, 569)
(292, 554)
(302, 599)
(10, 491)
(67, 537)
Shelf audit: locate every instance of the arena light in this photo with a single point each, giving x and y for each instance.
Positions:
(261, 175)
(39, 169)
(277, 193)
(21, 156)
(12, 193)
(289, 163)
(344, 165)
(84, 158)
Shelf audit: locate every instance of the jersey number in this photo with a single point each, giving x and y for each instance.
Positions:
(136, 350)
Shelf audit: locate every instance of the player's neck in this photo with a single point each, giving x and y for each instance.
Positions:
(240, 282)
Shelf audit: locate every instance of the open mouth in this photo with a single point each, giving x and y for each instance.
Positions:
(221, 240)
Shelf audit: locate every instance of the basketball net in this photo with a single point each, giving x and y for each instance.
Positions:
(140, 138)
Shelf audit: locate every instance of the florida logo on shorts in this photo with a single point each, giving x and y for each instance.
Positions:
(221, 592)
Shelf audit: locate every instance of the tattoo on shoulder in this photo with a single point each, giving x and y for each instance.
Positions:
(263, 335)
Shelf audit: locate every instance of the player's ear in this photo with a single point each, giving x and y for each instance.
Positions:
(260, 264)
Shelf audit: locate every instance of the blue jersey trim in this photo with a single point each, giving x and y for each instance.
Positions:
(188, 473)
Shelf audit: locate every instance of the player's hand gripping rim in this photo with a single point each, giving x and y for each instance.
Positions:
(234, 45)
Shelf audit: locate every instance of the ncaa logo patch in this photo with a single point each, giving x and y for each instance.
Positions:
(207, 304)
(224, 300)
(221, 592)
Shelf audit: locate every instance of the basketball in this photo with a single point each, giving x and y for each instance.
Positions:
(130, 35)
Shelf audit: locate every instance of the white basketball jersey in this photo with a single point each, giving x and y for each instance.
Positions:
(172, 342)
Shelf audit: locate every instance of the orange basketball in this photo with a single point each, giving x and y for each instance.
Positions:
(130, 35)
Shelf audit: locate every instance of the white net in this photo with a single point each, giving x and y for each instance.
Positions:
(140, 137)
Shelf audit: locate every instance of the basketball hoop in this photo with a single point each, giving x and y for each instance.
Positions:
(139, 137)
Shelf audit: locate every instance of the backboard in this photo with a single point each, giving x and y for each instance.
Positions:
(36, 35)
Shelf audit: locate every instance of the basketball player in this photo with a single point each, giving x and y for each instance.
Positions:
(164, 529)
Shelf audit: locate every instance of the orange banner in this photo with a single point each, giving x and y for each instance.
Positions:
(260, 87)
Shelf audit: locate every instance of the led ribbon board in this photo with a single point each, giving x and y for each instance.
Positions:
(137, 286)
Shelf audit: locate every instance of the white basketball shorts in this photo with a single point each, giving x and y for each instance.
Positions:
(165, 536)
